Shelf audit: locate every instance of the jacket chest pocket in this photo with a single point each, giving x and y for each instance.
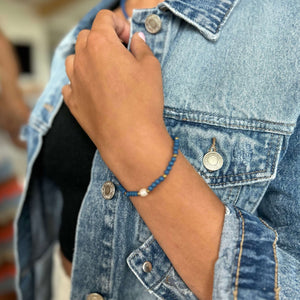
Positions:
(237, 162)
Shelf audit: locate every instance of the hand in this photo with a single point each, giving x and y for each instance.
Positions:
(116, 95)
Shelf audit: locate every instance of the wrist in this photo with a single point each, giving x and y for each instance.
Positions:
(140, 160)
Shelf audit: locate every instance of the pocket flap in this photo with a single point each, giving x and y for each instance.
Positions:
(249, 156)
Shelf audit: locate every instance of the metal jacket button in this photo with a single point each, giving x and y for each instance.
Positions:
(94, 296)
(212, 160)
(153, 24)
(147, 267)
(108, 190)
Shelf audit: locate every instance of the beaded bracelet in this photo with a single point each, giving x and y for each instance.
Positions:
(145, 191)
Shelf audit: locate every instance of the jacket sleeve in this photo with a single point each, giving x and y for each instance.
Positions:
(259, 256)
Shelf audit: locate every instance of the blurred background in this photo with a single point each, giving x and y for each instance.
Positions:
(33, 29)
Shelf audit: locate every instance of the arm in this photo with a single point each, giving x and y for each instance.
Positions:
(125, 112)
(14, 112)
(195, 239)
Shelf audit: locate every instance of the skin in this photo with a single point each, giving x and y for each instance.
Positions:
(117, 98)
(14, 112)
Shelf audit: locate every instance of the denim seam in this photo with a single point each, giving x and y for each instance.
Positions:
(214, 27)
(229, 193)
(233, 126)
(182, 111)
(237, 196)
(163, 278)
(235, 292)
(110, 284)
(276, 288)
(240, 181)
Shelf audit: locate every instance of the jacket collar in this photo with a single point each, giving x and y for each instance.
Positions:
(208, 16)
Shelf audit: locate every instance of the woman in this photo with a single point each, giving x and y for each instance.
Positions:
(221, 218)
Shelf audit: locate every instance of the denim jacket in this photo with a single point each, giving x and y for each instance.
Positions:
(230, 72)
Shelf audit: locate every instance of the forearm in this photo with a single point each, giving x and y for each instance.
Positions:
(183, 213)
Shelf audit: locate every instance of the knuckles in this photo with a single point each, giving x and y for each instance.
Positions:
(97, 41)
(104, 14)
(82, 35)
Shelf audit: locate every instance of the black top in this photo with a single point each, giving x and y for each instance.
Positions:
(66, 158)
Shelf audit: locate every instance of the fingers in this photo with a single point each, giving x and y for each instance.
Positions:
(108, 22)
(66, 92)
(69, 64)
(81, 40)
(139, 48)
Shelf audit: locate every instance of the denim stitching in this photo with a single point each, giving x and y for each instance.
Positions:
(246, 127)
(248, 173)
(235, 292)
(240, 181)
(276, 288)
(225, 15)
(229, 194)
(146, 245)
(181, 111)
(212, 27)
(233, 175)
(254, 172)
(237, 196)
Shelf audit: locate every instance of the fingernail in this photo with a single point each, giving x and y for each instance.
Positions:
(142, 36)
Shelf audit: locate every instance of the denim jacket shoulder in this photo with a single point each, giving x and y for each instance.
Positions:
(231, 75)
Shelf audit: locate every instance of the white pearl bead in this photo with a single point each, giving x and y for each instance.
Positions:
(143, 192)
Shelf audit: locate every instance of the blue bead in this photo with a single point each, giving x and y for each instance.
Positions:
(161, 178)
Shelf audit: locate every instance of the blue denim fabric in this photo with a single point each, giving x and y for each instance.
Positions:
(231, 72)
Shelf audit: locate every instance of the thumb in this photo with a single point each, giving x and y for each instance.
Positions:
(138, 46)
